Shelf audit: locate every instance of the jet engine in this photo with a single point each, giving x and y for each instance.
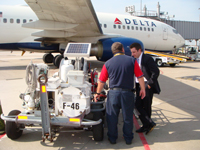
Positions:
(102, 50)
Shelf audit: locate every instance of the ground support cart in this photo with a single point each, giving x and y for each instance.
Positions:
(64, 100)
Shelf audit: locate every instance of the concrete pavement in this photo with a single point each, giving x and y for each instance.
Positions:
(176, 110)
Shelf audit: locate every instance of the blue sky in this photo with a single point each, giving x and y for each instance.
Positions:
(184, 10)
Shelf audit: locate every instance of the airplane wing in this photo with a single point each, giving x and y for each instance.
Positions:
(64, 18)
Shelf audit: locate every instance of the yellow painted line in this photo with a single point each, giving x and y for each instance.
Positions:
(189, 78)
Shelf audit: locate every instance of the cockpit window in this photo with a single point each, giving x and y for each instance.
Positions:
(175, 31)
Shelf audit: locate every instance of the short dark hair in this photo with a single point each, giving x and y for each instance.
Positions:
(116, 47)
(136, 45)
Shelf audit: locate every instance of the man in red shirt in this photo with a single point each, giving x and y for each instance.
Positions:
(120, 70)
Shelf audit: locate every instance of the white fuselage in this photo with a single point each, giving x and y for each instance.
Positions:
(155, 35)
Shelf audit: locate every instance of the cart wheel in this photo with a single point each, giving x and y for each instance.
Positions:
(12, 129)
(172, 65)
(98, 130)
(159, 62)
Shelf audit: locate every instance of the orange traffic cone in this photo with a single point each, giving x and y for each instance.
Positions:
(2, 124)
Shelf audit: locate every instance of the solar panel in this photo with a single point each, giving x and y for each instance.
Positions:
(78, 50)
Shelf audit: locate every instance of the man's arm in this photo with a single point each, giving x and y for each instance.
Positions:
(102, 79)
(153, 68)
(142, 87)
(139, 75)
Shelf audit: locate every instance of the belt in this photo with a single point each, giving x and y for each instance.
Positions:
(121, 89)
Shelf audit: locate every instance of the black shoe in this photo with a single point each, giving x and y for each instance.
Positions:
(128, 142)
(151, 127)
(111, 142)
(141, 130)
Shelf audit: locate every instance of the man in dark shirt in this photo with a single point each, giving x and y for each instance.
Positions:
(151, 73)
(120, 70)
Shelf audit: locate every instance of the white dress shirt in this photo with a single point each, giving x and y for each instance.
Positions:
(139, 63)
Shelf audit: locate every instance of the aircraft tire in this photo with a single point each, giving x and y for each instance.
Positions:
(48, 58)
(57, 60)
(12, 129)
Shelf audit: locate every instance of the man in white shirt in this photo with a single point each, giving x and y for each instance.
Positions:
(151, 73)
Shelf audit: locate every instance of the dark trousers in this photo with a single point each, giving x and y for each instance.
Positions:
(116, 100)
(143, 106)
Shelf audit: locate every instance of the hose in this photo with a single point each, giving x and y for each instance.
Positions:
(31, 80)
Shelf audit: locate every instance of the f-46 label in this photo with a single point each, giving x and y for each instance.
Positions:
(73, 106)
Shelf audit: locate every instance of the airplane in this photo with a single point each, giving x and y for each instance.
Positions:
(48, 26)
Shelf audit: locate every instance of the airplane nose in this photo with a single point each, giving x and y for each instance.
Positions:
(182, 41)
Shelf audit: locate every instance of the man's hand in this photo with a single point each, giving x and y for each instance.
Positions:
(96, 97)
(142, 93)
(142, 87)
(99, 89)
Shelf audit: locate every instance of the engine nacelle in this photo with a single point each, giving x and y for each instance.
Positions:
(102, 50)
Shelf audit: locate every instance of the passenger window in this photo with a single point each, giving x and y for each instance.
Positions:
(136, 28)
(148, 29)
(24, 20)
(132, 27)
(152, 29)
(124, 27)
(4, 20)
(119, 26)
(105, 25)
(114, 26)
(18, 21)
(144, 28)
(101, 25)
(128, 27)
(30, 20)
(140, 28)
(11, 20)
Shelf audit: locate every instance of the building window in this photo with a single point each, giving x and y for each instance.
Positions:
(11, 20)
(4, 20)
(18, 21)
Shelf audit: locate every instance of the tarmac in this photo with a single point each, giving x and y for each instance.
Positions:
(175, 111)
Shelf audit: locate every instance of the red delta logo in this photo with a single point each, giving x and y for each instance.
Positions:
(117, 21)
